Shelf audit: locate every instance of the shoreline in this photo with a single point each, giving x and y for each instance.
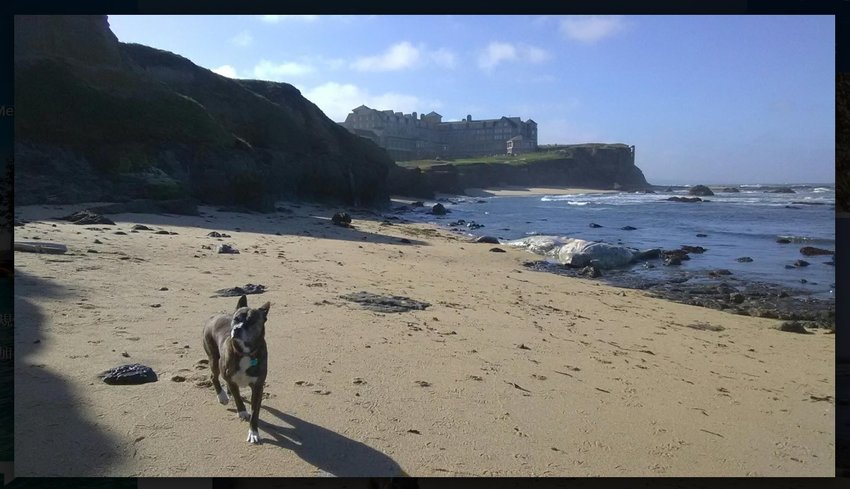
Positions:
(505, 373)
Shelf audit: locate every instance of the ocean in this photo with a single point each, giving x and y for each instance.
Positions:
(743, 224)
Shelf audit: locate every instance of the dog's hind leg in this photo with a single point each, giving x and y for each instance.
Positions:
(215, 370)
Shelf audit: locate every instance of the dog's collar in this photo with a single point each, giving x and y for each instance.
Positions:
(251, 355)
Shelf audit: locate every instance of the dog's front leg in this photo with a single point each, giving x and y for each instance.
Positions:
(240, 406)
(256, 399)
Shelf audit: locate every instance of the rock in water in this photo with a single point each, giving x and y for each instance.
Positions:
(381, 303)
(700, 190)
(129, 375)
(438, 210)
(684, 199)
(812, 251)
(86, 217)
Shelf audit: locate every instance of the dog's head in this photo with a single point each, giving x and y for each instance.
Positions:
(248, 326)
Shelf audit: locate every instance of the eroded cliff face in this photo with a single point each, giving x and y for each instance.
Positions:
(97, 119)
(587, 165)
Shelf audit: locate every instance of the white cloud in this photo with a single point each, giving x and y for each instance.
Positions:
(243, 39)
(274, 19)
(498, 52)
(444, 57)
(399, 56)
(592, 28)
(536, 55)
(266, 70)
(336, 100)
(226, 70)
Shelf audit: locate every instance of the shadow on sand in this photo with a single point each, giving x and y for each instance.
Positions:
(327, 450)
(52, 435)
(316, 223)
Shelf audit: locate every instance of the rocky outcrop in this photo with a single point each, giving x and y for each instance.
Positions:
(602, 166)
(102, 120)
(700, 190)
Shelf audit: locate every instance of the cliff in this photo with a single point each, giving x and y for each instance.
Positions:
(97, 119)
(602, 166)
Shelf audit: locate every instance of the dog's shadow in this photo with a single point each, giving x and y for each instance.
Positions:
(327, 450)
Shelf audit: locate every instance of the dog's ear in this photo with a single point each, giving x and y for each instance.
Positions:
(243, 302)
(265, 309)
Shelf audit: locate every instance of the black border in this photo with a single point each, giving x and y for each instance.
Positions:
(840, 8)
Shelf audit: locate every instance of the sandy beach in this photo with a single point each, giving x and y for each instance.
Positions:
(508, 372)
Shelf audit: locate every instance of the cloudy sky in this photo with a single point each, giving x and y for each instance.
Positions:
(705, 99)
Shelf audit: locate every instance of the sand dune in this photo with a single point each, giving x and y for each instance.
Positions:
(508, 372)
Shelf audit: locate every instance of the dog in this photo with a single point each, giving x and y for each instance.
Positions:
(236, 347)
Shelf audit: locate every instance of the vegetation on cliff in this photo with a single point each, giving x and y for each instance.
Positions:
(593, 165)
(102, 120)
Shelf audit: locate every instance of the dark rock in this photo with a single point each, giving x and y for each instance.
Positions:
(700, 190)
(830, 263)
(628, 228)
(418, 203)
(497, 250)
(693, 249)
(487, 239)
(680, 254)
(129, 375)
(120, 233)
(162, 231)
(736, 298)
(474, 225)
(405, 241)
(248, 289)
(794, 327)
(792, 207)
(590, 271)
(97, 241)
(226, 248)
(744, 259)
(701, 235)
(341, 219)
(216, 234)
(719, 273)
(812, 251)
(684, 199)
(387, 304)
(783, 241)
(86, 217)
(594, 225)
(781, 190)
(438, 210)
(91, 251)
(801, 263)
(672, 260)
(731, 190)
(141, 227)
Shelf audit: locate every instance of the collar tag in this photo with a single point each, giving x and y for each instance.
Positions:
(253, 362)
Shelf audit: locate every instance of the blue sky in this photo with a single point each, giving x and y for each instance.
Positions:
(705, 99)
